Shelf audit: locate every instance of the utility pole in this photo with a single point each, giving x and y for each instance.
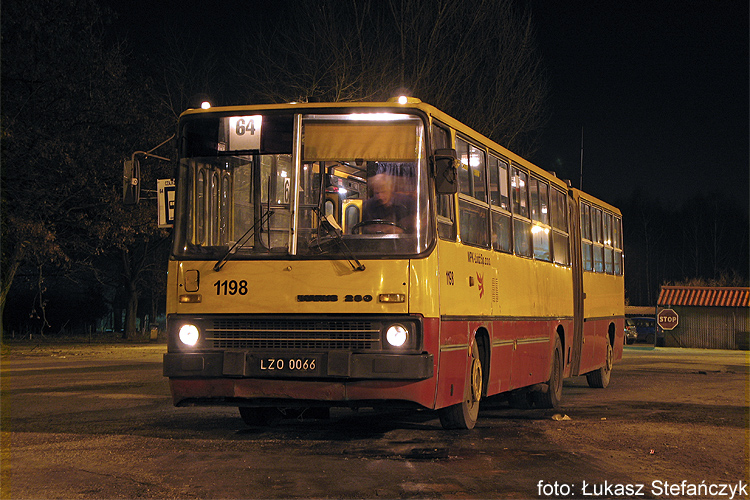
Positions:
(580, 183)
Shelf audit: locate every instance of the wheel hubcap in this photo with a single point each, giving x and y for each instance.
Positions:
(476, 380)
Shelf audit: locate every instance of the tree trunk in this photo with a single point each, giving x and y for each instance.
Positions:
(8, 276)
(131, 313)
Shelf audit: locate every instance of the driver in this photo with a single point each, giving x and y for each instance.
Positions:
(395, 209)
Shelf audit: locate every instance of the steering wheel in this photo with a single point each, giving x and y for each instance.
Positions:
(377, 222)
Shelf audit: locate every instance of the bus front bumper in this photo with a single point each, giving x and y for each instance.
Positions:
(329, 365)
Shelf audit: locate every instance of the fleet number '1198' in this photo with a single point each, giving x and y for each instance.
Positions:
(231, 287)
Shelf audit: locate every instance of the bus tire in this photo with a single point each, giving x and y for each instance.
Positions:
(551, 394)
(260, 417)
(599, 379)
(464, 414)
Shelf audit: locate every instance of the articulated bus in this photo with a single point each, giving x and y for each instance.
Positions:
(380, 255)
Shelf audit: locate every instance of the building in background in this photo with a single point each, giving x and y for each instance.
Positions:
(708, 317)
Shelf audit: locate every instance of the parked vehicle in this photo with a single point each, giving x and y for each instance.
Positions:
(631, 334)
(646, 328)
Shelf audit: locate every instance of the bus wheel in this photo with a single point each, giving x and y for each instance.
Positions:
(260, 417)
(464, 414)
(551, 395)
(599, 379)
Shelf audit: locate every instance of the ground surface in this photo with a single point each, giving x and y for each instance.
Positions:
(97, 422)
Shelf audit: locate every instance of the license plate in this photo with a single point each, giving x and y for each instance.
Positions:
(291, 366)
(288, 364)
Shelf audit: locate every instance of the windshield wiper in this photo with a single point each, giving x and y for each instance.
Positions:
(243, 239)
(328, 222)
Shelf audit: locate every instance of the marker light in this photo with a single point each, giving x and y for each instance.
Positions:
(189, 334)
(397, 335)
(205, 105)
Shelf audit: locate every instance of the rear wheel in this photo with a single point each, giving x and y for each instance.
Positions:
(464, 414)
(551, 394)
(599, 379)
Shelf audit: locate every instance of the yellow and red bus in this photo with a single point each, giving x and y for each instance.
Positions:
(380, 254)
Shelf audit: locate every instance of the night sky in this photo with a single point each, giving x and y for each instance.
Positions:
(660, 88)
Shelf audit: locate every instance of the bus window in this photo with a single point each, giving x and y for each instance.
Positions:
(617, 236)
(539, 194)
(500, 204)
(200, 208)
(521, 222)
(586, 245)
(608, 245)
(598, 233)
(478, 181)
(473, 224)
(518, 184)
(501, 232)
(560, 251)
(464, 174)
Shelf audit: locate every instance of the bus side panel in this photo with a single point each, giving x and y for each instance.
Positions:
(531, 355)
(522, 353)
(596, 338)
(453, 363)
(501, 359)
(603, 306)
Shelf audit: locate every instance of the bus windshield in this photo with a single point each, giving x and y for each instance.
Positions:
(353, 185)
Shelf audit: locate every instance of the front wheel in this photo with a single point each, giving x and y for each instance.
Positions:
(599, 379)
(464, 414)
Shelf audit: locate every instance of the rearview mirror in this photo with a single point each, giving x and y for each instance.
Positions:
(445, 164)
(131, 182)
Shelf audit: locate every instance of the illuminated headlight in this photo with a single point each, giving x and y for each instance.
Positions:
(397, 335)
(189, 334)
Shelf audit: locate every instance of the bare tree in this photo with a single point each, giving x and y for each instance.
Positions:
(476, 60)
(188, 67)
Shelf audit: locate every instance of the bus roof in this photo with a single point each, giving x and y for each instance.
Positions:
(411, 104)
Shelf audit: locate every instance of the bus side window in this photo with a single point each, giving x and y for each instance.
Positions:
(521, 221)
(596, 226)
(499, 204)
(540, 230)
(617, 229)
(559, 228)
(608, 245)
(472, 198)
(586, 237)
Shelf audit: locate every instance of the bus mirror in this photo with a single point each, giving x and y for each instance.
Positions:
(131, 182)
(445, 164)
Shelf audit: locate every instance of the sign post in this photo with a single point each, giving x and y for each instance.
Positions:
(165, 202)
(667, 319)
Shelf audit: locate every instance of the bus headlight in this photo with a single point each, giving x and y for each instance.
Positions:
(397, 335)
(189, 334)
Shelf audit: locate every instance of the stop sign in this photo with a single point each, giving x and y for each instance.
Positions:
(667, 319)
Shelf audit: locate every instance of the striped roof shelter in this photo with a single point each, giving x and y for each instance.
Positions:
(704, 296)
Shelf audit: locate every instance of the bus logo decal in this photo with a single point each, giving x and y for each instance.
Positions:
(317, 298)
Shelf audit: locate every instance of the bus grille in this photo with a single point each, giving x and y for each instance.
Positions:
(293, 334)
